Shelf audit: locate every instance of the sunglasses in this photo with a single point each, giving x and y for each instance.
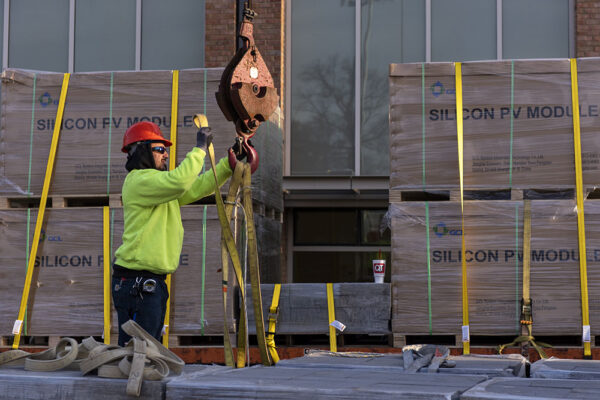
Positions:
(159, 149)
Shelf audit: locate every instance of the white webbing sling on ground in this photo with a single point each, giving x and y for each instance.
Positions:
(143, 357)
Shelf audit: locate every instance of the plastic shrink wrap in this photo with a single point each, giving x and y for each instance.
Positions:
(66, 295)
(100, 106)
(518, 136)
(517, 123)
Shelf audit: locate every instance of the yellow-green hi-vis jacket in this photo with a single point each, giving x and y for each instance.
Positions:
(153, 232)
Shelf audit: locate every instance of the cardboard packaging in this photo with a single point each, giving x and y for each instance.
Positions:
(427, 277)
(517, 122)
(66, 297)
(99, 108)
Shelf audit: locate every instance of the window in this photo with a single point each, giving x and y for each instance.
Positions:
(545, 28)
(39, 35)
(322, 87)
(172, 34)
(336, 75)
(389, 34)
(463, 30)
(104, 35)
(338, 245)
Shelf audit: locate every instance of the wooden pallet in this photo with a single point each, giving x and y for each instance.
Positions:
(322, 340)
(266, 211)
(590, 192)
(113, 201)
(61, 201)
(44, 341)
(174, 340)
(452, 340)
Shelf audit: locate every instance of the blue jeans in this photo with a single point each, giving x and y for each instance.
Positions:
(147, 309)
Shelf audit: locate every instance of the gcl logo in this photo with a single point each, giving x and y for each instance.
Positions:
(442, 230)
(50, 238)
(438, 89)
(45, 100)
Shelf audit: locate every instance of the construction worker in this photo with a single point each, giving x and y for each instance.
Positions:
(153, 231)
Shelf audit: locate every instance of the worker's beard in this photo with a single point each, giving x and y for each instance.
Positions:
(165, 167)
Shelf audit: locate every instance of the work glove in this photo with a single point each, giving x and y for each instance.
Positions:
(203, 138)
(243, 150)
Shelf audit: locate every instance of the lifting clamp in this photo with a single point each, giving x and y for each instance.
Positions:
(247, 95)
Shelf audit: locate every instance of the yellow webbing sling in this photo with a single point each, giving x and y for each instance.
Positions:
(526, 319)
(273, 315)
(459, 134)
(106, 272)
(234, 185)
(40, 217)
(229, 241)
(172, 165)
(585, 313)
(331, 312)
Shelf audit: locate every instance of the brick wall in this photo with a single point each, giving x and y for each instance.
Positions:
(220, 39)
(587, 28)
(219, 44)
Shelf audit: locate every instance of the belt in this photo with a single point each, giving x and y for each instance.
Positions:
(122, 272)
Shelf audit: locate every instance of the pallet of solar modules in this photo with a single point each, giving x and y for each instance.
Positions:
(69, 262)
(364, 308)
(427, 267)
(99, 109)
(517, 127)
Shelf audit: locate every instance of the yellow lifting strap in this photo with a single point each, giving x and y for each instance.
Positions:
(331, 312)
(526, 336)
(106, 273)
(459, 134)
(585, 313)
(261, 337)
(172, 164)
(234, 185)
(40, 217)
(227, 236)
(273, 315)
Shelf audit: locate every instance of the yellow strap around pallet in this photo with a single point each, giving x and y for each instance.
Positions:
(106, 275)
(459, 134)
(40, 217)
(526, 321)
(172, 164)
(273, 315)
(527, 250)
(331, 311)
(585, 315)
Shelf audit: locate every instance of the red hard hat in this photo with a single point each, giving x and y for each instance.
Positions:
(142, 131)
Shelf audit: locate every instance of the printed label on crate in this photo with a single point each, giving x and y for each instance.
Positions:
(586, 334)
(465, 333)
(547, 111)
(83, 260)
(509, 255)
(338, 325)
(17, 327)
